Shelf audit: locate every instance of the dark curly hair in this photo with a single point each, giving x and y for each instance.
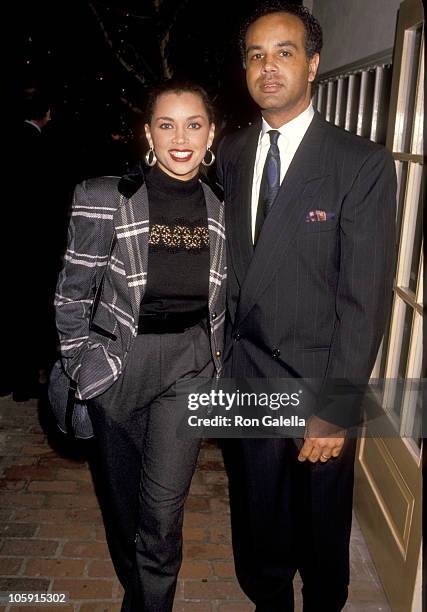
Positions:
(177, 87)
(313, 30)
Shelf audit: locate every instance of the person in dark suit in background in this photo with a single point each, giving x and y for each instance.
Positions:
(32, 271)
(37, 114)
(310, 213)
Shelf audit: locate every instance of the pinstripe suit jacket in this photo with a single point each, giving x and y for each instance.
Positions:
(95, 359)
(311, 299)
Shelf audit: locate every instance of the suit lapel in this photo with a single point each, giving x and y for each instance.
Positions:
(239, 227)
(294, 199)
(131, 222)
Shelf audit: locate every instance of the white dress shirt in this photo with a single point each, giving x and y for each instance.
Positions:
(288, 142)
(34, 125)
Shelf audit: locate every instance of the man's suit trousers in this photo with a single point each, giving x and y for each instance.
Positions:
(142, 470)
(287, 516)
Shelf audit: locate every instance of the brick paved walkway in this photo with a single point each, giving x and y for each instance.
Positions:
(52, 538)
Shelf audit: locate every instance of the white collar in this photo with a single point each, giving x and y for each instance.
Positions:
(34, 124)
(293, 128)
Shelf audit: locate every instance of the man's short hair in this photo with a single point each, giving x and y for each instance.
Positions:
(36, 105)
(312, 28)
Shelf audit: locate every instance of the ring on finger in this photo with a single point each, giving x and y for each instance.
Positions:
(325, 456)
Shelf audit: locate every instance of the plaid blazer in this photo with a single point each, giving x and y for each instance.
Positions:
(104, 207)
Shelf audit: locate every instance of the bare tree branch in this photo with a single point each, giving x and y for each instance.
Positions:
(122, 61)
(163, 41)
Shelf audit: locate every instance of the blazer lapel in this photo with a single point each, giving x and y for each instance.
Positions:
(239, 228)
(131, 222)
(215, 214)
(294, 199)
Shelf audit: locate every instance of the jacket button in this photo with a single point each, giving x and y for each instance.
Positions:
(237, 336)
(213, 316)
(276, 353)
(218, 353)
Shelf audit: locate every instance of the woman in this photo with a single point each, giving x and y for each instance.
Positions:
(157, 243)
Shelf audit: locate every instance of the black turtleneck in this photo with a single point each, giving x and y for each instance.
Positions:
(178, 254)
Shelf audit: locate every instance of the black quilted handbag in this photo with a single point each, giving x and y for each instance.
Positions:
(70, 414)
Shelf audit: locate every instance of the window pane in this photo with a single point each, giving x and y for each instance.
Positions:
(397, 357)
(402, 177)
(406, 337)
(416, 251)
(411, 426)
(416, 433)
(420, 297)
(412, 414)
(409, 226)
(384, 348)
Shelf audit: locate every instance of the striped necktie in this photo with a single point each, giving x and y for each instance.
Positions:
(270, 182)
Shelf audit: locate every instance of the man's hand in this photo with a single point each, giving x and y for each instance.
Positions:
(322, 441)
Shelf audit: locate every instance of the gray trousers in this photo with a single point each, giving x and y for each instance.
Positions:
(142, 470)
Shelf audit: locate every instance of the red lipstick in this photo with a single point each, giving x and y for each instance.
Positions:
(181, 155)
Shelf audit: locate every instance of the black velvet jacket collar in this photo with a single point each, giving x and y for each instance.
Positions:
(131, 182)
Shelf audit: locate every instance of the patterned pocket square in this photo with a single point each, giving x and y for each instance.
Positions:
(319, 215)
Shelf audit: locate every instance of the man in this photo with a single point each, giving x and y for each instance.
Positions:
(310, 215)
(32, 177)
(37, 113)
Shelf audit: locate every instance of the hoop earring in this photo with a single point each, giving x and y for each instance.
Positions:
(212, 159)
(150, 157)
